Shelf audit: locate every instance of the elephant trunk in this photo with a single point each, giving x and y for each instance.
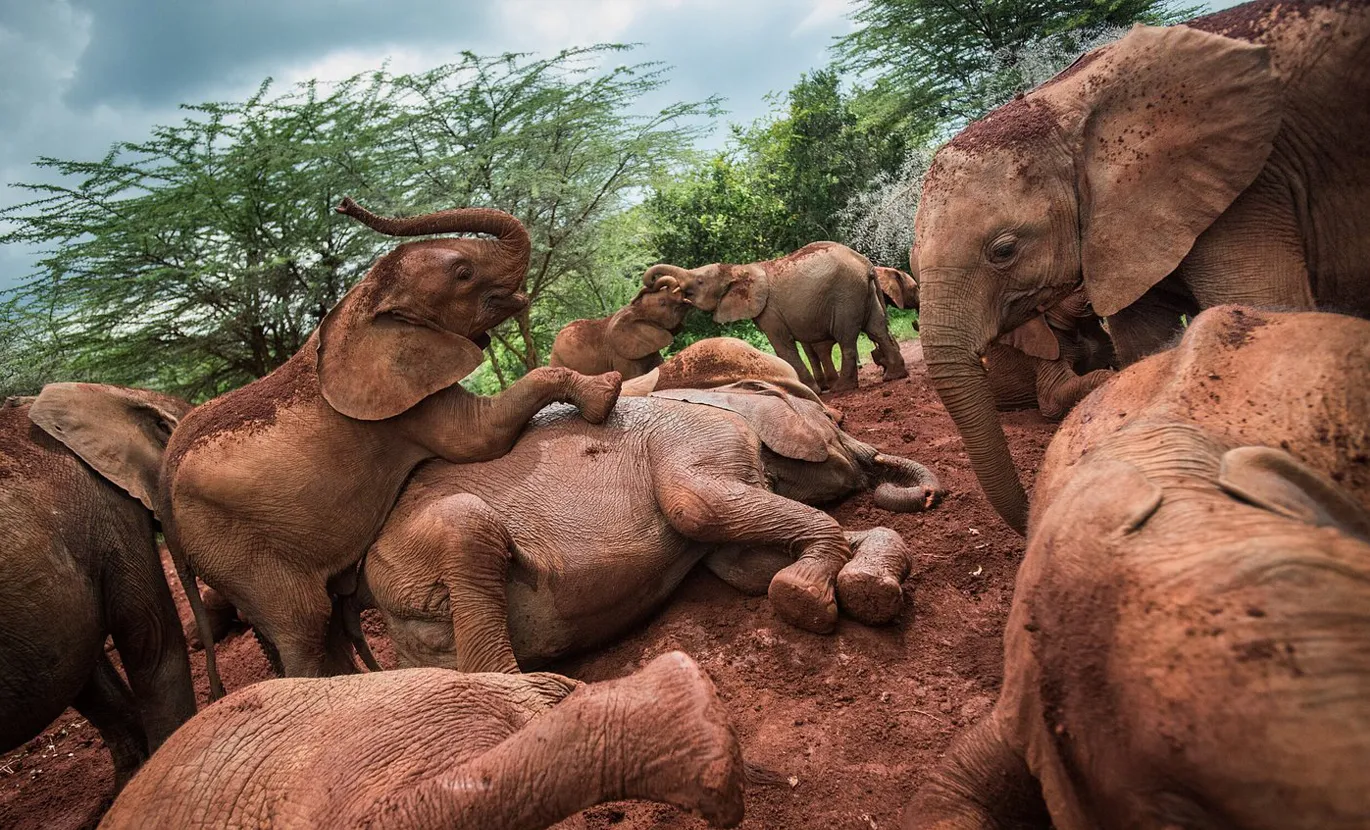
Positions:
(905, 485)
(662, 271)
(963, 385)
(509, 230)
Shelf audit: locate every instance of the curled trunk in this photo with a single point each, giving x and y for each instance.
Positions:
(662, 271)
(905, 485)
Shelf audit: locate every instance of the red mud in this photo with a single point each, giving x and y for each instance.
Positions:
(855, 720)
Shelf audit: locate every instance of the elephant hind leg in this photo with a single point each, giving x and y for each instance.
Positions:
(292, 614)
(870, 586)
(891, 360)
(733, 512)
(820, 361)
(109, 706)
(981, 784)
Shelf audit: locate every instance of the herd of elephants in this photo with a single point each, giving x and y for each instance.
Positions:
(1167, 245)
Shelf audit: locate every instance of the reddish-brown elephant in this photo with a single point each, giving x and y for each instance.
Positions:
(629, 341)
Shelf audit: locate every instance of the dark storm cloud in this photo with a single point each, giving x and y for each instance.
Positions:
(158, 52)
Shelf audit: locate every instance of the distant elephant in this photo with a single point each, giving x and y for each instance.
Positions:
(277, 488)
(78, 475)
(430, 748)
(629, 341)
(896, 288)
(1189, 643)
(822, 292)
(581, 531)
(1222, 160)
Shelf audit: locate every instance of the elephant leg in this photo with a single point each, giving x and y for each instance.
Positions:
(293, 611)
(825, 357)
(1059, 388)
(846, 381)
(814, 352)
(870, 586)
(147, 632)
(660, 735)
(891, 359)
(786, 350)
(981, 784)
(732, 512)
(1149, 324)
(747, 569)
(109, 706)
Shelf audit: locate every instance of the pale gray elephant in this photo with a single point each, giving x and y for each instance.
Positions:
(824, 292)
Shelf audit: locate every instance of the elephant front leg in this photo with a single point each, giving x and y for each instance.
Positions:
(787, 351)
(109, 706)
(660, 735)
(981, 784)
(870, 586)
(1059, 388)
(732, 512)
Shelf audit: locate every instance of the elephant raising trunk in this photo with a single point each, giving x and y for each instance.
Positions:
(905, 485)
(655, 275)
(497, 223)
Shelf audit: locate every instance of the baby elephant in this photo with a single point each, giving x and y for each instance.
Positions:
(581, 531)
(1189, 644)
(430, 748)
(630, 340)
(78, 479)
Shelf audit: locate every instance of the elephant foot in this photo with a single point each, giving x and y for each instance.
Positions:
(870, 598)
(898, 374)
(597, 395)
(802, 595)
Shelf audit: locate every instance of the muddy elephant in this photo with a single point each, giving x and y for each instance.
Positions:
(629, 341)
(1223, 160)
(78, 478)
(896, 288)
(1189, 643)
(580, 532)
(278, 487)
(824, 292)
(430, 748)
(1050, 362)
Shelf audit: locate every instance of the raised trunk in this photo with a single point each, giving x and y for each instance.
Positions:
(660, 734)
(961, 382)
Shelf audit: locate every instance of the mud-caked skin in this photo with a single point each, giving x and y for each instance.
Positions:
(1222, 160)
(277, 487)
(431, 748)
(821, 293)
(1189, 643)
(629, 341)
(580, 531)
(78, 472)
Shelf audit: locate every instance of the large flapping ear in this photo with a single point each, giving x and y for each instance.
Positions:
(746, 296)
(1103, 498)
(633, 338)
(1035, 339)
(1177, 123)
(767, 410)
(1277, 481)
(377, 360)
(121, 433)
(892, 284)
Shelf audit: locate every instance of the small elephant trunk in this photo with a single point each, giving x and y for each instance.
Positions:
(905, 485)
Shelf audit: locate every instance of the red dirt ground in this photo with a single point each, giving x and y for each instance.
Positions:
(854, 720)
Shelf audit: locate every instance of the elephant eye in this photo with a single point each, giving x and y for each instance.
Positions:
(1003, 250)
(462, 272)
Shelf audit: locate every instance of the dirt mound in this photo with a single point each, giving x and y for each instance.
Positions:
(849, 724)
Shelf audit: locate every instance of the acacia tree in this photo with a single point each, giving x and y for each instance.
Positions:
(203, 256)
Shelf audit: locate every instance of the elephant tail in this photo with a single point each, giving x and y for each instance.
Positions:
(186, 572)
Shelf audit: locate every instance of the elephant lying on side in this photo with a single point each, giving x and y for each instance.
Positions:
(1189, 644)
(718, 361)
(1224, 160)
(278, 487)
(78, 474)
(824, 292)
(429, 748)
(581, 531)
(629, 341)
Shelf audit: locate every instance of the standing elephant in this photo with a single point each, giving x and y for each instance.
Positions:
(629, 341)
(430, 748)
(276, 488)
(1189, 643)
(898, 289)
(581, 531)
(78, 476)
(822, 292)
(1222, 160)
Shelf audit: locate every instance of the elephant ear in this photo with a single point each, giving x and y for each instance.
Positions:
(746, 296)
(120, 433)
(633, 339)
(1277, 481)
(1178, 123)
(376, 359)
(1035, 339)
(891, 282)
(1103, 499)
(770, 413)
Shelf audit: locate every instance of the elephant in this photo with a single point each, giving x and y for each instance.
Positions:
(898, 289)
(580, 531)
(822, 292)
(1189, 644)
(1224, 160)
(78, 479)
(430, 748)
(629, 341)
(276, 489)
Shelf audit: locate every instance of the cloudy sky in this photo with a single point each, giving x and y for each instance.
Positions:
(81, 74)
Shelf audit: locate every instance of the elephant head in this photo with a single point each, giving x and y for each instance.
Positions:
(121, 433)
(1103, 178)
(731, 292)
(898, 287)
(417, 323)
(650, 322)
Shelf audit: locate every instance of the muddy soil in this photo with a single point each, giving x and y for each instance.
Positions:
(850, 722)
